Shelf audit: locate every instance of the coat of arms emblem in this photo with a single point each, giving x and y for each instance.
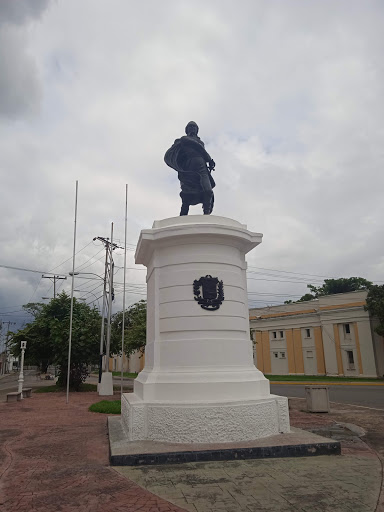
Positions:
(209, 292)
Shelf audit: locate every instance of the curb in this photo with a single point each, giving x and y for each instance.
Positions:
(142, 453)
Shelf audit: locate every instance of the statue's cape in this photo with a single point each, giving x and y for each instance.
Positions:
(171, 157)
(189, 179)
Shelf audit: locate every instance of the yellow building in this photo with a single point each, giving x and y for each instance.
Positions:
(332, 335)
(132, 364)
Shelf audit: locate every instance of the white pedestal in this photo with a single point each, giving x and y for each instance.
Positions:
(199, 383)
(105, 387)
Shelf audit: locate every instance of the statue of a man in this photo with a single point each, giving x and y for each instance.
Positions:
(194, 165)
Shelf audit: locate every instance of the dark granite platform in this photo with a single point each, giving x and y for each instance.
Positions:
(298, 443)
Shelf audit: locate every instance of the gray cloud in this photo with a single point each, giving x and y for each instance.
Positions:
(17, 13)
(20, 87)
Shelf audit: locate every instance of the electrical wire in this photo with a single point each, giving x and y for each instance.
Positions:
(65, 261)
(81, 267)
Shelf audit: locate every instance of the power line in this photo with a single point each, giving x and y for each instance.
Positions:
(77, 269)
(289, 272)
(303, 274)
(24, 269)
(274, 280)
(65, 261)
(53, 279)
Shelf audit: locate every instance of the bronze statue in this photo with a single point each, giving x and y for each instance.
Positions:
(194, 165)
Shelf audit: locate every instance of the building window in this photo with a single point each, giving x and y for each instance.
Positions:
(307, 333)
(282, 355)
(309, 353)
(347, 329)
(274, 334)
(351, 360)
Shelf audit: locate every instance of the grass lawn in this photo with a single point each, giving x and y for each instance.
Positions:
(107, 407)
(318, 378)
(118, 374)
(125, 374)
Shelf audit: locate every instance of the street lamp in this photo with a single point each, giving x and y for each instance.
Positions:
(23, 346)
(88, 291)
(85, 273)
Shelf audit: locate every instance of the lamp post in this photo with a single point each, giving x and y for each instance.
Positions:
(23, 346)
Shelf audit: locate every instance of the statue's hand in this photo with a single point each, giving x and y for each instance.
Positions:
(212, 165)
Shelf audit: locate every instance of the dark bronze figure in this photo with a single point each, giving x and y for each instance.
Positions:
(194, 165)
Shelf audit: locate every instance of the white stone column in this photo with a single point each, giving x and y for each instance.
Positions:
(199, 383)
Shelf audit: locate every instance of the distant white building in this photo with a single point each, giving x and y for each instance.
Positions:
(332, 335)
(8, 362)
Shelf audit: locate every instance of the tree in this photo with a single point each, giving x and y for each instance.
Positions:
(375, 306)
(341, 285)
(48, 336)
(332, 286)
(135, 328)
(304, 298)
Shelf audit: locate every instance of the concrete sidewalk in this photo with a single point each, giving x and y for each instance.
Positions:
(54, 457)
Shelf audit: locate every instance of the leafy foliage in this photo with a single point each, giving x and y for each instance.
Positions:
(332, 286)
(135, 328)
(48, 336)
(375, 306)
(341, 285)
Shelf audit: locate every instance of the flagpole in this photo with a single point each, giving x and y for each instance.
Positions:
(72, 287)
(125, 267)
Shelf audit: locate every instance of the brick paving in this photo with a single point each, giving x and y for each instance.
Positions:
(54, 458)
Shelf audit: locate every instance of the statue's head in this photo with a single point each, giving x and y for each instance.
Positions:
(191, 128)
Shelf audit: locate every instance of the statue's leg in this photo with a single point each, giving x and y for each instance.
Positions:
(207, 202)
(212, 202)
(184, 208)
(207, 193)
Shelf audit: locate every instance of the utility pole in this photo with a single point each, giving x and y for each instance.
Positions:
(54, 279)
(4, 366)
(105, 337)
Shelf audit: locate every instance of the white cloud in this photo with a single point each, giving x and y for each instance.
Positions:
(287, 96)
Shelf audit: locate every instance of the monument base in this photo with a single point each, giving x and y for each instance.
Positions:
(204, 422)
(199, 383)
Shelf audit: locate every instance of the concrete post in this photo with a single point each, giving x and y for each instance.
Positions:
(23, 346)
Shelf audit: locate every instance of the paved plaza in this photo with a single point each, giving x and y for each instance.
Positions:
(54, 457)
(287, 485)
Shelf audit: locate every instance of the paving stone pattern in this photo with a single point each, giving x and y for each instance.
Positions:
(54, 458)
(319, 484)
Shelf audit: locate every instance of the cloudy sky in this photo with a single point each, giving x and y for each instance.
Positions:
(288, 97)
